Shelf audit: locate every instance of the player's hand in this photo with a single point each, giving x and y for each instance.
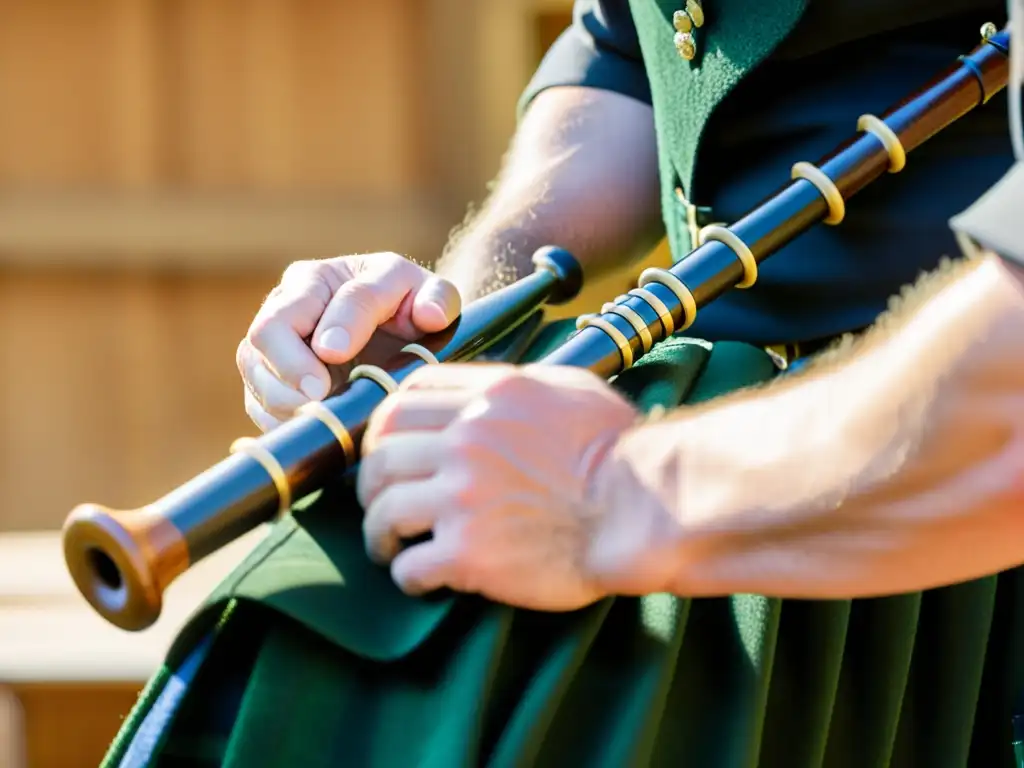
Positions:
(323, 314)
(498, 463)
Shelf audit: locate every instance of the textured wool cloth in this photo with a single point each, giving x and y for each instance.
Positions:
(308, 655)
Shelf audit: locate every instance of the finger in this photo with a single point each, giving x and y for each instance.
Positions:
(383, 293)
(292, 361)
(424, 410)
(397, 459)
(427, 567)
(427, 309)
(273, 395)
(259, 417)
(457, 376)
(402, 511)
(276, 397)
(434, 306)
(279, 331)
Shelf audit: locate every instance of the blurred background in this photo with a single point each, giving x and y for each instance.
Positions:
(161, 162)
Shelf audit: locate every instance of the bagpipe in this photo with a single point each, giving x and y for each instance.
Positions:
(123, 561)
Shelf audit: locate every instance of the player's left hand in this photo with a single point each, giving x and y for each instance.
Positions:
(497, 462)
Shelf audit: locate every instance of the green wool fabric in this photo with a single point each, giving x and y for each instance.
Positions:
(737, 38)
(318, 660)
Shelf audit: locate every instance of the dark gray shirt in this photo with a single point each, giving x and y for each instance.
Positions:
(844, 59)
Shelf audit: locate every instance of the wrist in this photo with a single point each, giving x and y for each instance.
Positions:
(699, 494)
(638, 546)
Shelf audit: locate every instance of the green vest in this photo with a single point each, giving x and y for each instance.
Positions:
(737, 37)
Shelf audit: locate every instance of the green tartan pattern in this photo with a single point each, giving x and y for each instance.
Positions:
(322, 662)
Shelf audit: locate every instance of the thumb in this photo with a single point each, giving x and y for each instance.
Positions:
(386, 291)
(434, 307)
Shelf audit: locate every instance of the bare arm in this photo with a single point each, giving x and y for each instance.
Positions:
(896, 466)
(582, 173)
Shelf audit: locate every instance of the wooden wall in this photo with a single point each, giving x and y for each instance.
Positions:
(116, 385)
(162, 160)
(275, 96)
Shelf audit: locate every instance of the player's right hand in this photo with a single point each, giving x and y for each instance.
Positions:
(322, 314)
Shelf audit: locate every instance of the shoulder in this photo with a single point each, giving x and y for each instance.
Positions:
(599, 49)
(996, 221)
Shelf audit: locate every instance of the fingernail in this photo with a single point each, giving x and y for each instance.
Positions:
(335, 339)
(313, 388)
(435, 309)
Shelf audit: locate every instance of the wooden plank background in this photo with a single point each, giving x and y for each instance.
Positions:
(161, 161)
(117, 356)
(280, 96)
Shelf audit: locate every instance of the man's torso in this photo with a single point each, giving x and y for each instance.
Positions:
(800, 105)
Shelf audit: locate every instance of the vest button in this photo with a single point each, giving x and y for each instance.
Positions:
(682, 22)
(696, 11)
(685, 45)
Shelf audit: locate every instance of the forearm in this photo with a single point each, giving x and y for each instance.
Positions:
(581, 174)
(896, 469)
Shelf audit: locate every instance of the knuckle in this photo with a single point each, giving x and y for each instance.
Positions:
(513, 384)
(275, 294)
(305, 279)
(395, 266)
(461, 488)
(300, 270)
(261, 331)
(315, 295)
(345, 264)
(391, 260)
(362, 297)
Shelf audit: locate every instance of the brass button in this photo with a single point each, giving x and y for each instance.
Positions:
(685, 45)
(682, 22)
(696, 12)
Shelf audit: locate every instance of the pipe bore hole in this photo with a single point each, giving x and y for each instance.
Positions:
(105, 569)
